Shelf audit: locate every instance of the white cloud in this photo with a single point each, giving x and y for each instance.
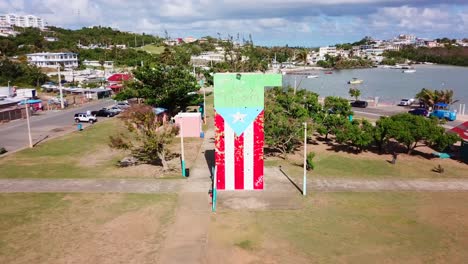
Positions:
(302, 21)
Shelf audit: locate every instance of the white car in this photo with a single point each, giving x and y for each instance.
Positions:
(406, 102)
(85, 117)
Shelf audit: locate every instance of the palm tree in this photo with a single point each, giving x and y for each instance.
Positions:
(302, 56)
(430, 97)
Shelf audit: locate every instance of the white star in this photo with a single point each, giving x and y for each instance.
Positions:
(238, 117)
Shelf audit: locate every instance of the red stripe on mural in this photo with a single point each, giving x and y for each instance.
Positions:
(258, 152)
(239, 162)
(219, 152)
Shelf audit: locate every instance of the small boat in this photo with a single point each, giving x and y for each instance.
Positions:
(312, 76)
(328, 72)
(355, 81)
(409, 71)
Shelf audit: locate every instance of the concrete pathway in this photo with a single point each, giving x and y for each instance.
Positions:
(187, 238)
(202, 184)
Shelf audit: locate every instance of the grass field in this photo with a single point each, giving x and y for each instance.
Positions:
(83, 228)
(153, 49)
(329, 164)
(349, 228)
(85, 154)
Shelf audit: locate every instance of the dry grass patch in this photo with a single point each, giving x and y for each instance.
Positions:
(350, 228)
(83, 228)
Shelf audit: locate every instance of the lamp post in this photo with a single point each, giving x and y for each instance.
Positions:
(60, 88)
(304, 185)
(27, 121)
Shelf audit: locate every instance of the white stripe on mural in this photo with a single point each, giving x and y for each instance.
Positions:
(248, 157)
(229, 160)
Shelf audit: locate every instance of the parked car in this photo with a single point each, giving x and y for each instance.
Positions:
(103, 112)
(419, 111)
(122, 105)
(84, 117)
(442, 110)
(49, 85)
(116, 110)
(406, 102)
(361, 104)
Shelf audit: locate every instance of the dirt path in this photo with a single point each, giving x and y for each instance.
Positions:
(187, 238)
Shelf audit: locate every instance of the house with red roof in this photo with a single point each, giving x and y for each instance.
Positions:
(462, 131)
(116, 81)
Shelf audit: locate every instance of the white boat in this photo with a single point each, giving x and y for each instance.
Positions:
(355, 81)
(312, 76)
(409, 71)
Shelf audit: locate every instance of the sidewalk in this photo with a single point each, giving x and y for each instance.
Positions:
(187, 238)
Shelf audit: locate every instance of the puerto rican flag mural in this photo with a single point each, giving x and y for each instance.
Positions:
(239, 139)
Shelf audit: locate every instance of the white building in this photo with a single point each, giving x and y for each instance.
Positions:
(53, 60)
(23, 21)
(6, 30)
(97, 64)
(331, 51)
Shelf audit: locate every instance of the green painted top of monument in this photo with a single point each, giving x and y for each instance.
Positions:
(242, 89)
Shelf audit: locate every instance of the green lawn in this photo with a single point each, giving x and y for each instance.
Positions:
(153, 49)
(90, 228)
(333, 165)
(83, 154)
(352, 228)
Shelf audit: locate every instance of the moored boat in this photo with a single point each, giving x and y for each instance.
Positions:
(409, 71)
(355, 81)
(312, 76)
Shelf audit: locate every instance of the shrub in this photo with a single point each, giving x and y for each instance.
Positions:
(310, 161)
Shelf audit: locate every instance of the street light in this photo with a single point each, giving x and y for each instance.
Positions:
(27, 121)
(304, 185)
(60, 88)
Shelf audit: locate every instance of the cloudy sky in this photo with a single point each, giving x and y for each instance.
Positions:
(271, 22)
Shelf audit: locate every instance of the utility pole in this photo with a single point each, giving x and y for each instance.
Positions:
(27, 121)
(60, 88)
(304, 185)
(135, 41)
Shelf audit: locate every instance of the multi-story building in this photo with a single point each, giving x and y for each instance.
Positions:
(53, 60)
(331, 51)
(23, 21)
(6, 30)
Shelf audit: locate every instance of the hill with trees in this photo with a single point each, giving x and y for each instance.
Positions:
(451, 55)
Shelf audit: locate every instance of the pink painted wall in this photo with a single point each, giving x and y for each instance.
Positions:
(192, 124)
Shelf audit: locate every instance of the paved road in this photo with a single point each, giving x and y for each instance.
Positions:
(14, 136)
(376, 112)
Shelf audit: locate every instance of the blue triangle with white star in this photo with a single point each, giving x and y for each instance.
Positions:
(239, 118)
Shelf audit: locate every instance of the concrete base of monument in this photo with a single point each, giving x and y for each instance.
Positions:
(279, 194)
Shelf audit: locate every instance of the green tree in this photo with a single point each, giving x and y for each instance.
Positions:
(354, 92)
(381, 132)
(430, 97)
(358, 134)
(171, 87)
(413, 131)
(152, 138)
(337, 105)
(285, 113)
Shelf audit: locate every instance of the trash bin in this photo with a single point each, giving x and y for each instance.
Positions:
(187, 172)
(202, 134)
(80, 127)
